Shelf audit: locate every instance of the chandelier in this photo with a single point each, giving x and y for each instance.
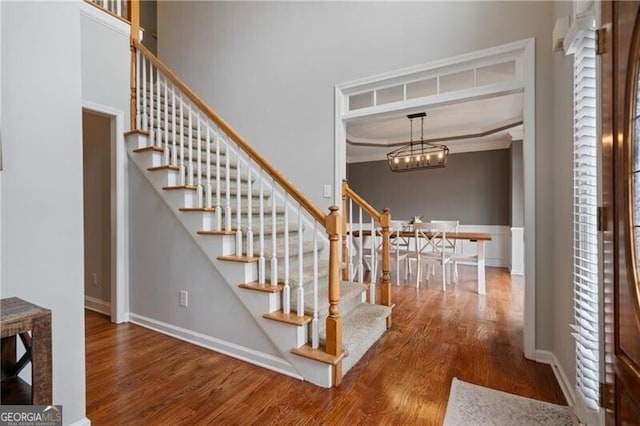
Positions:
(418, 154)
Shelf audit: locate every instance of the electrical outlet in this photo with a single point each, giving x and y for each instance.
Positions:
(94, 278)
(184, 298)
(326, 191)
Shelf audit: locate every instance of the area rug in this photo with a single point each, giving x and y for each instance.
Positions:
(476, 405)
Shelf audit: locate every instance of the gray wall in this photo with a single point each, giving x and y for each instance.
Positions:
(149, 21)
(165, 259)
(473, 188)
(42, 244)
(96, 153)
(517, 184)
(560, 212)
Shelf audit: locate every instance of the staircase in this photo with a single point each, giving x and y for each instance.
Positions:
(278, 252)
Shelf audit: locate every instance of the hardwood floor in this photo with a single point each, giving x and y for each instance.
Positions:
(136, 376)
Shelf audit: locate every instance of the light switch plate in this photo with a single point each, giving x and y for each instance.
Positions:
(326, 191)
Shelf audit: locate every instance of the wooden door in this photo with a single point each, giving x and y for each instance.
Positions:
(621, 199)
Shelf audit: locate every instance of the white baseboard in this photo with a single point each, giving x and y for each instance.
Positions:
(260, 359)
(547, 357)
(82, 422)
(97, 305)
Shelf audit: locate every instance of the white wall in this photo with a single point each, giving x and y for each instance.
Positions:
(105, 62)
(165, 260)
(270, 70)
(42, 242)
(562, 207)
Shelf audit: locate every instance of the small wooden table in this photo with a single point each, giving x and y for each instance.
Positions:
(18, 318)
(480, 238)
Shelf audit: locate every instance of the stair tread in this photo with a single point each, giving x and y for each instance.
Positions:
(317, 354)
(239, 259)
(266, 287)
(357, 323)
(216, 232)
(290, 318)
(178, 187)
(197, 209)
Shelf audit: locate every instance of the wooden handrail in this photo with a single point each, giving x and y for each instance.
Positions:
(291, 189)
(348, 192)
(384, 219)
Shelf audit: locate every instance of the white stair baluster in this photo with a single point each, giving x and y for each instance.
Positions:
(119, 8)
(156, 125)
(200, 186)
(167, 160)
(190, 168)
(274, 258)
(360, 252)
(286, 292)
(239, 207)
(227, 210)
(174, 125)
(261, 263)
(218, 172)
(315, 338)
(182, 165)
(207, 188)
(152, 124)
(249, 211)
(374, 263)
(350, 273)
(300, 294)
(144, 94)
(138, 100)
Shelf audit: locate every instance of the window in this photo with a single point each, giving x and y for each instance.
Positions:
(585, 234)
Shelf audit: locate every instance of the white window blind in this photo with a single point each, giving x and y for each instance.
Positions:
(585, 234)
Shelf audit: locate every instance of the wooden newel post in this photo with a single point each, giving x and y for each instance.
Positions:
(345, 248)
(334, 322)
(134, 17)
(385, 284)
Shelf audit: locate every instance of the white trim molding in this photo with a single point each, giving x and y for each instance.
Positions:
(119, 212)
(217, 345)
(97, 305)
(548, 357)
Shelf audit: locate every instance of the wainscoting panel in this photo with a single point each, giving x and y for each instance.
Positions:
(497, 251)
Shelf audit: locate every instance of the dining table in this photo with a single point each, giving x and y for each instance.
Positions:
(480, 238)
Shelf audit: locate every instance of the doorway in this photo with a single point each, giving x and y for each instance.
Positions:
(104, 161)
(96, 171)
(416, 88)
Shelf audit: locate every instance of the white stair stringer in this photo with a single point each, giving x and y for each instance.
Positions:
(284, 337)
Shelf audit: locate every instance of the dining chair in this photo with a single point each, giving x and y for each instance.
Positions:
(398, 250)
(428, 250)
(451, 246)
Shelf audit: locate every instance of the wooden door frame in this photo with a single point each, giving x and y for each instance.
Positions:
(615, 139)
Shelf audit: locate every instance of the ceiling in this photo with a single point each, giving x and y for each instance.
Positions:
(478, 125)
